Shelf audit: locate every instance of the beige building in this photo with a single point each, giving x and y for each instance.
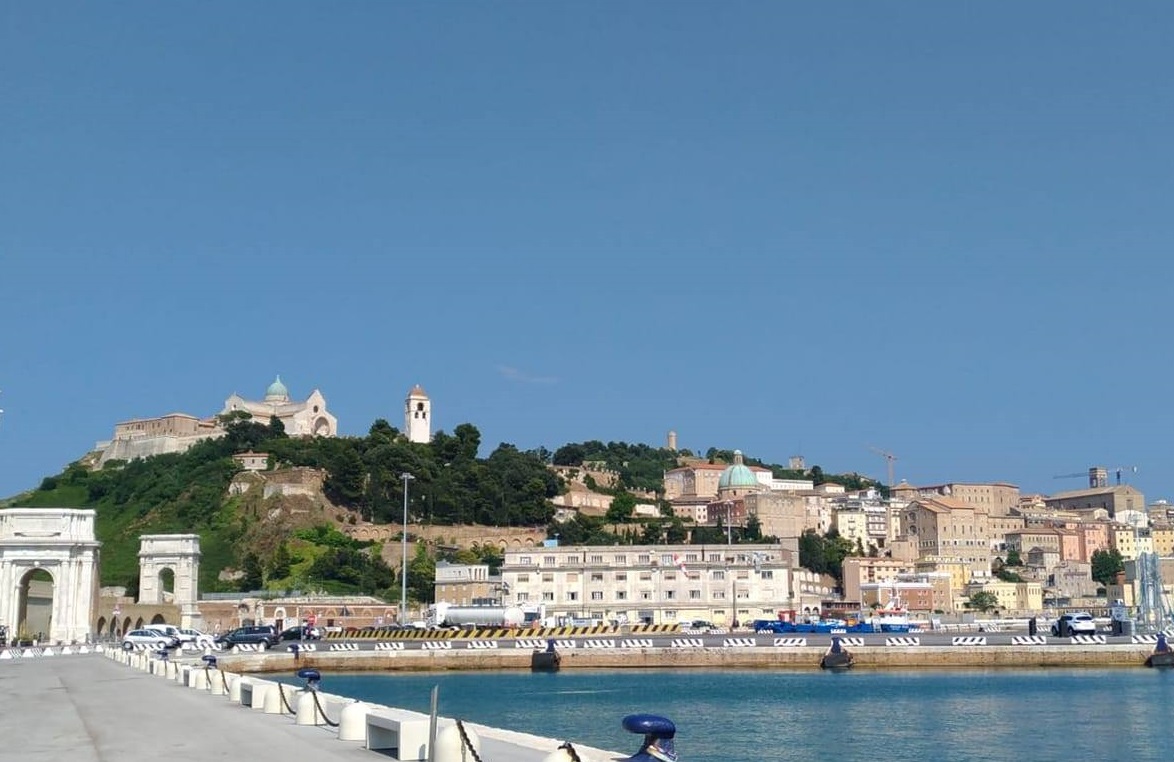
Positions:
(467, 585)
(956, 573)
(1025, 540)
(660, 584)
(1013, 597)
(1112, 500)
(991, 498)
(301, 419)
(948, 528)
(252, 461)
(859, 571)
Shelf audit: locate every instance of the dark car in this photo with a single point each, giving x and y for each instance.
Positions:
(300, 633)
(256, 633)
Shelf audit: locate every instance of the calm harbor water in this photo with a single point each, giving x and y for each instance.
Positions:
(745, 716)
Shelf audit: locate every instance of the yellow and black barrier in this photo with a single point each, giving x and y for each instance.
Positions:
(496, 633)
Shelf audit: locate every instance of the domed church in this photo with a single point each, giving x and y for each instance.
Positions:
(738, 480)
(301, 419)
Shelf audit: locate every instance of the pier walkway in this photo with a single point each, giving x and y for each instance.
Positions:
(93, 709)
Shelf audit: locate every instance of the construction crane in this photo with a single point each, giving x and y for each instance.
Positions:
(889, 457)
(1081, 475)
(1119, 469)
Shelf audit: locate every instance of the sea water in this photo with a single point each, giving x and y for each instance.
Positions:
(1035, 715)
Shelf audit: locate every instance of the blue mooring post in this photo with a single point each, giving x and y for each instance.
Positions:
(209, 661)
(312, 678)
(295, 649)
(658, 735)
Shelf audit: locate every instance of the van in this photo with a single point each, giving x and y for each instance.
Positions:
(167, 629)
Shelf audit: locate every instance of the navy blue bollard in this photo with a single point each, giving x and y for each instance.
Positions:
(209, 661)
(658, 735)
(294, 648)
(312, 678)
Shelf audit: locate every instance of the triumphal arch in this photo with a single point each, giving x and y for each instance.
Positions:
(48, 573)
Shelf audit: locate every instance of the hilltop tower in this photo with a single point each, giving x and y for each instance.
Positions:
(672, 441)
(418, 416)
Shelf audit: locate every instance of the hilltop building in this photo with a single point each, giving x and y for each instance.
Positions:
(176, 432)
(418, 416)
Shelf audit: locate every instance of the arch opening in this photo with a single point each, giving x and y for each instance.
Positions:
(35, 612)
(167, 584)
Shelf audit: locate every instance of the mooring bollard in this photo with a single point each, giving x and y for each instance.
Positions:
(658, 737)
(454, 742)
(352, 722)
(274, 700)
(234, 688)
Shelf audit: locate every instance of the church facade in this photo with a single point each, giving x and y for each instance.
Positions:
(307, 418)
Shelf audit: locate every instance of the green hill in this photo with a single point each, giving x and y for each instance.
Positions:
(295, 543)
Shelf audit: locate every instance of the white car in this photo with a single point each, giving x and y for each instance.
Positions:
(195, 637)
(150, 638)
(1080, 623)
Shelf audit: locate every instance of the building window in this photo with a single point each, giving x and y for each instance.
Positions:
(523, 597)
(670, 577)
(670, 595)
(645, 576)
(719, 595)
(596, 595)
(523, 578)
(596, 559)
(621, 560)
(572, 595)
(645, 595)
(596, 577)
(621, 595)
(548, 597)
(524, 561)
(548, 578)
(621, 576)
(717, 574)
(768, 574)
(644, 559)
(666, 559)
(548, 560)
(694, 595)
(572, 577)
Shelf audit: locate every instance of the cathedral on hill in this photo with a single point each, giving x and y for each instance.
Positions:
(176, 432)
(308, 418)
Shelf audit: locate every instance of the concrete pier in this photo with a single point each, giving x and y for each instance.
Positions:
(94, 709)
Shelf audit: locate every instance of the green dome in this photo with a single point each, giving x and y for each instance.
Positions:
(737, 476)
(276, 391)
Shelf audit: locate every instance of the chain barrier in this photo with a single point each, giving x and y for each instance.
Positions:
(224, 680)
(322, 711)
(574, 755)
(284, 701)
(466, 743)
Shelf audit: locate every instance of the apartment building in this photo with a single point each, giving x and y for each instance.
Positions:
(1025, 540)
(991, 498)
(661, 584)
(466, 584)
(948, 528)
(862, 571)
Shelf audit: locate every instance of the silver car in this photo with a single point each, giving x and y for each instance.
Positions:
(148, 638)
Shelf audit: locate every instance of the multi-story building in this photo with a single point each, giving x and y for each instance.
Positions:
(1018, 597)
(1163, 540)
(948, 528)
(467, 584)
(991, 498)
(1121, 498)
(661, 584)
(956, 573)
(859, 571)
(1130, 542)
(1025, 540)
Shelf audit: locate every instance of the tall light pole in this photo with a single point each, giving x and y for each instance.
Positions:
(403, 595)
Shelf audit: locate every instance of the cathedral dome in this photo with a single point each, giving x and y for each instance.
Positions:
(738, 475)
(277, 392)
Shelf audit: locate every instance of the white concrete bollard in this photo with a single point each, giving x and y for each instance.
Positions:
(308, 713)
(352, 722)
(450, 748)
(558, 755)
(260, 691)
(170, 668)
(234, 688)
(273, 701)
(199, 680)
(216, 680)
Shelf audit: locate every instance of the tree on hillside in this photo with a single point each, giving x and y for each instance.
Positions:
(621, 509)
(254, 576)
(1106, 565)
(276, 427)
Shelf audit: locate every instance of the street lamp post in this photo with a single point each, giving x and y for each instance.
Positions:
(403, 595)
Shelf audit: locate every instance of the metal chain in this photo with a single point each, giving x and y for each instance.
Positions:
(466, 743)
(224, 680)
(322, 712)
(284, 701)
(574, 755)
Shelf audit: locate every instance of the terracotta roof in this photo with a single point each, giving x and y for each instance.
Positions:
(417, 391)
(1092, 492)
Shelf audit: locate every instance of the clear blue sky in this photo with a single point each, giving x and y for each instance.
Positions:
(788, 228)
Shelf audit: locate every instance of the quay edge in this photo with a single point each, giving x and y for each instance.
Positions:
(867, 657)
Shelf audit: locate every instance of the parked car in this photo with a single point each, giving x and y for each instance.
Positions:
(1079, 623)
(151, 638)
(265, 634)
(195, 637)
(301, 633)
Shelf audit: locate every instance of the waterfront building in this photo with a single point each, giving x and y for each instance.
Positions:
(466, 585)
(860, 571)
(1012, 597)
(661, 584)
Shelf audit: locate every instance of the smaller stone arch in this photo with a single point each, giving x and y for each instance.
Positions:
(158, 619)
(139, 623)
(102, 624)
(125, 626)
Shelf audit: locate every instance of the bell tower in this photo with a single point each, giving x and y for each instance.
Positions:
(418, 416)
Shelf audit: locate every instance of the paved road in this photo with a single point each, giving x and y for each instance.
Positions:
(92, 709)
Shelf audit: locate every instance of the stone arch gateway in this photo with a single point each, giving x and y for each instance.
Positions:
(60, 542)
(179, 554)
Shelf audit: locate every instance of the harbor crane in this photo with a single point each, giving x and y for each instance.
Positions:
(889, 457)
(1126, 469)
